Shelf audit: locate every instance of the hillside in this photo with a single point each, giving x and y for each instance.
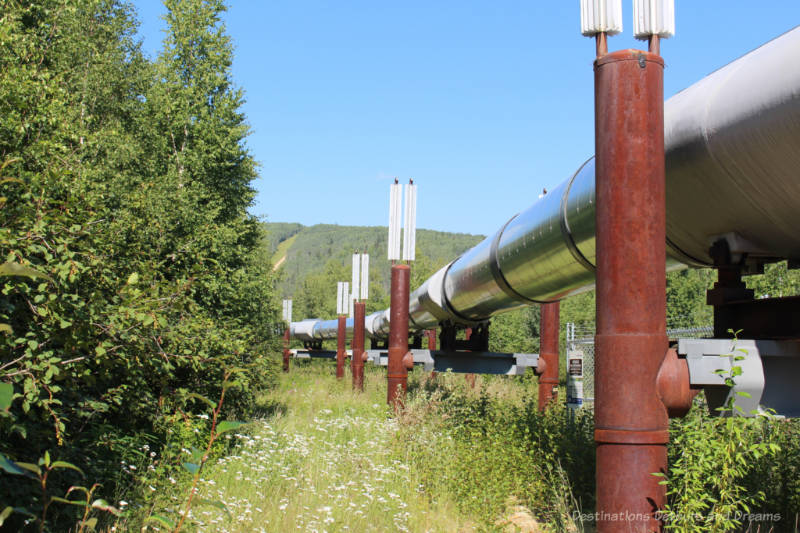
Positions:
(303, 250)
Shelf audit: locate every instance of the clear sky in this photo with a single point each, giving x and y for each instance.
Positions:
(483, 103)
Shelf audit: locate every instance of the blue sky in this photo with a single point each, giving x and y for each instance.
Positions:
(482, 103)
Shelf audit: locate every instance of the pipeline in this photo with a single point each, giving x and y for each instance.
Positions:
(731, 173)
(316, 329)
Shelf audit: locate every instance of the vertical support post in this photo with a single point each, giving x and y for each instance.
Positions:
(631, 424)
(469, 378)
(431, 334)
(357, 346)
(341, 345)
(548, 352)
(286, 350)
(729, 287)
(396, 371)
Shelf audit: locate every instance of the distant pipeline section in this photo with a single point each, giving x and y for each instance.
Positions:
(732, 145)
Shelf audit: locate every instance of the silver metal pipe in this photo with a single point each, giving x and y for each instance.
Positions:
(316, 329)
(732, 146)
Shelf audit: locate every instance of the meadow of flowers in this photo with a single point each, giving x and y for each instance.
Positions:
(325, 460)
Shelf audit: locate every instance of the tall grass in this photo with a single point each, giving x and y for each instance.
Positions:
(463, 458)
(321, 460)
(495, 454)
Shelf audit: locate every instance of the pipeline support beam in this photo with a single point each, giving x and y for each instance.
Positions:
(548, 354)
(431, 334)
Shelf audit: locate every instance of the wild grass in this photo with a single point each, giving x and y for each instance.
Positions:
(456, 458)
(499, 458)
(321, 460)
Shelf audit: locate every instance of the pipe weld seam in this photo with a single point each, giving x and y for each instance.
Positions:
(446, 301)
(397, 376)
(631, 436)
(497, 274)
(685, 257)
(566, 232)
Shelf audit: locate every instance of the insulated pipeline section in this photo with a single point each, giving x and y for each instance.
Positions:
(732, 164)
(320, 330)
(499, 273)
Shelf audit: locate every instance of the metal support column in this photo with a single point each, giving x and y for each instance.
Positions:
(548, 354)
(357, 346)
(431, 334)
(286, 352)
(341, 346)
(631, 424)
(469, 378)
(396, 371)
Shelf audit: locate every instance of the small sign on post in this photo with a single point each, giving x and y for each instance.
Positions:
(575, 379)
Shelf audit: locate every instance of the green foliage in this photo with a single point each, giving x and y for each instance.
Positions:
(686, 297)
(280, 232)
(40, 473)
(490, 446)
(722, 467)
(315, 246)
(132, 273)
(516, 331)
(711, 461)
(777, 281)
(199, 458)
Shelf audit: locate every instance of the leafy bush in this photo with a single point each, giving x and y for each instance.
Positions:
(124, 185)
(489, 447)
(726, 471)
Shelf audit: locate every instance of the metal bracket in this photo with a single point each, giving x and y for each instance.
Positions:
(770, 369)
(314, 354)
(511, 364)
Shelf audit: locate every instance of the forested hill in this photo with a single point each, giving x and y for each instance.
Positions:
(309, 250)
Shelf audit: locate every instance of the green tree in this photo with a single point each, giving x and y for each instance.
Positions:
(686, 297)
(516, 331)
(777, 281)
(126, 183)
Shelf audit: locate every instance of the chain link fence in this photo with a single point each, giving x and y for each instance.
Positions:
(580, 338)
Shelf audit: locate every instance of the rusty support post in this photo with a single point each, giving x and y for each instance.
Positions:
(631, 424)
(548, 354)
(286, 352)
(431, 334)
(469, 378)
(357, 346)
(396, 371)
(341, 345)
